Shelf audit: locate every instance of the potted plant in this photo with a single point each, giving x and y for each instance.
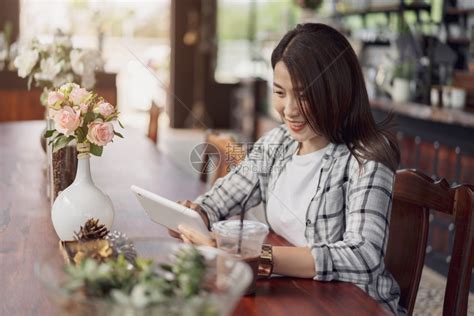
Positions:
(402, 77)
(309, 8)
(163, 278)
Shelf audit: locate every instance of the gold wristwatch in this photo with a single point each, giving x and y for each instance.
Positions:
(265, 265)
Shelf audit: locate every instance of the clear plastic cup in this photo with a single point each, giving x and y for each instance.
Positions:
(227, 234)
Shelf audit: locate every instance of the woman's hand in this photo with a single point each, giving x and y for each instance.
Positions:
(190, 236)
(195, 207)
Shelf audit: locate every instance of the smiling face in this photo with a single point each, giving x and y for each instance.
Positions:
(285, 100)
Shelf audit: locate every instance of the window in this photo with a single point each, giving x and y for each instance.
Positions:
(247, 32)
(133, 37)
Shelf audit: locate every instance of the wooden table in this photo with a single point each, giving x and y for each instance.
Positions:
(26, 232)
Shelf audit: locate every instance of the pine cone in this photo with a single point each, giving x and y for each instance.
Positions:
(92, 230)
(122, 245)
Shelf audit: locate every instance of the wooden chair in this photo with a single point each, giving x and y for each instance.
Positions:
(414, 195)
(153, 127)
(230, 154)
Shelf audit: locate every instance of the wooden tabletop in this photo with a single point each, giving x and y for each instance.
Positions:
(26, 232)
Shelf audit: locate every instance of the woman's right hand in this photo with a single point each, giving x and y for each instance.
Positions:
(195, 207)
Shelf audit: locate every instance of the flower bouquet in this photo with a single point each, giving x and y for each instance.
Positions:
(84, 117)
(52, 65)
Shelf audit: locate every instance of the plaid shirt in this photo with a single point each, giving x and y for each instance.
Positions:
(347, 219)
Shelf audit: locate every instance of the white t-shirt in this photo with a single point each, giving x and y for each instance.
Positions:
(292, 194)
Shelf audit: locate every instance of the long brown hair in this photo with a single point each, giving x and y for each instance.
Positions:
(325, 69)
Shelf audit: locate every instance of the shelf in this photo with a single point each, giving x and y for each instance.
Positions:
(387, 9)
(458, 11)
(459, 41)
(463, 118)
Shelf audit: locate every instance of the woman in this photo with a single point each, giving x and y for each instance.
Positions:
(325, 176)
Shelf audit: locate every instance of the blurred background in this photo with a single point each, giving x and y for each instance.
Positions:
(178, 68)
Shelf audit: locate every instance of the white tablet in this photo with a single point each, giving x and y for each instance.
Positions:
(168, 213)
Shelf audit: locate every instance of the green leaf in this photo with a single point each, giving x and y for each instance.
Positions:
(89, 98)
(55, 136)
(120, 123)
(81, 135)
(49, 133)
(118, 134)
(166, 267)
(113, 116)
(96, 150)
(89, 117)
(62, 142)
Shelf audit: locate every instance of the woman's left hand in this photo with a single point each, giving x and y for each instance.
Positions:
(190, 236)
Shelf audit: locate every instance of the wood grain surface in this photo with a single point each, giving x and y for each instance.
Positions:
(26, 232)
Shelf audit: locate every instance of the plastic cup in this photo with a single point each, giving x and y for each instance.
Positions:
(227, 234)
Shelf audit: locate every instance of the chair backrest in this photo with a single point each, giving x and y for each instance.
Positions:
(414, 195)
(230, 154)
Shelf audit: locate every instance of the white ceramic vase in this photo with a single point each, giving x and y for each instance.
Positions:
(79, 202)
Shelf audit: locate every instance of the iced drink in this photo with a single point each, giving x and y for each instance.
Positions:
(253, 233)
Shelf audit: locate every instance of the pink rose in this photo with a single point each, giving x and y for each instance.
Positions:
(78, 95)
(105, 109)
(83, 107)
(54, 96)
(67, 120)
(100, 133)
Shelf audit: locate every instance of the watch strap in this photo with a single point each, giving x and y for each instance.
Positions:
(265, 266)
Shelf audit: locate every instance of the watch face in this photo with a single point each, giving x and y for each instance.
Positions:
(266, 251)
(264, 270)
